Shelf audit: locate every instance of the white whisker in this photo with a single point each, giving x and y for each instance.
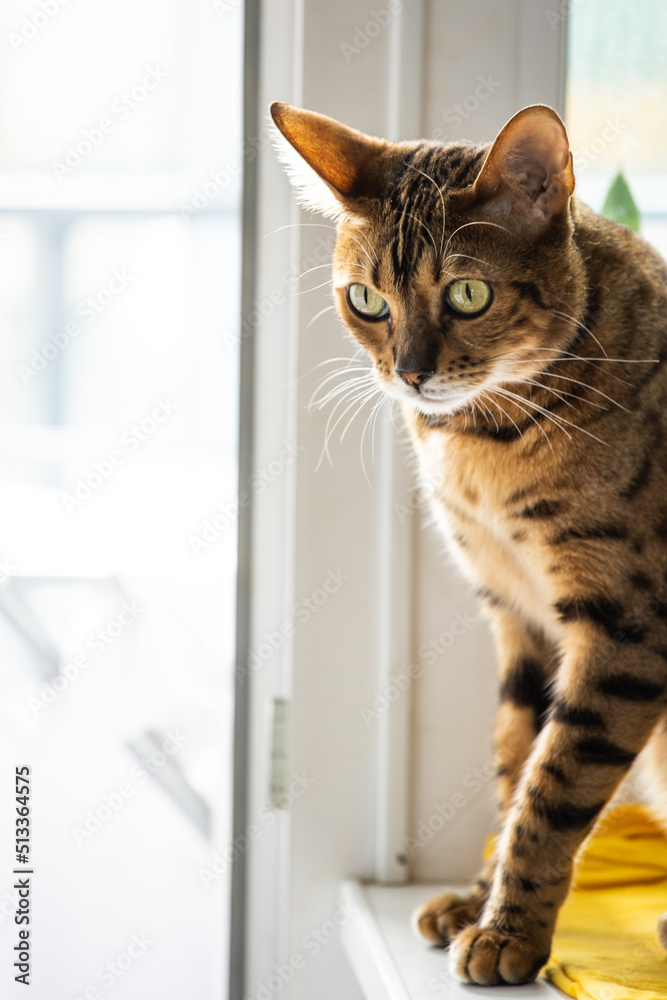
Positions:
(477, 223)
(319, 404)
(314, 288)
(330, 428)
(565, 378)
(575, 322)
(578, 357)
(567, 356)
(346, 370)
(505, 414)
(354, 415)
(555, 418)
(512, 397)
(300, 225)
(487, 410)
(317, 315)
(370, 246)
(468, 256)
(315, 268)
(562, 394)
(359, 351)
(376, 413)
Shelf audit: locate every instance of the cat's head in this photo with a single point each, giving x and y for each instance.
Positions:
(455, 265)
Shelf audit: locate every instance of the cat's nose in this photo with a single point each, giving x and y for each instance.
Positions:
(415, 378)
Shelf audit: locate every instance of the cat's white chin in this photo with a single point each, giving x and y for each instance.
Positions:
(431, 403)
(441, 405)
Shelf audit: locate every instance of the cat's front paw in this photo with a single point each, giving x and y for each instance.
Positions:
(444, 916)
(485, 956)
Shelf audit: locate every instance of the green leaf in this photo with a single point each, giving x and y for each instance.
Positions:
(619, 205)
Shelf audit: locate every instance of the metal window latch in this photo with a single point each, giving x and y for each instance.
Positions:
(278, 776)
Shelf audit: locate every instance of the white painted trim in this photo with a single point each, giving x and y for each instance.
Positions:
(395, 558)
(267, 915)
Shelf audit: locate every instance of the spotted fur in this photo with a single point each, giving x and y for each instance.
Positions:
(547, 411)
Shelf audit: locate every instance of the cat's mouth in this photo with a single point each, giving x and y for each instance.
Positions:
(438, 400)
(437, 395)
(431, 397)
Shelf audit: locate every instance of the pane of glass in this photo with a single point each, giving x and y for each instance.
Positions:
(118, 426)
(616, 95)
(21, 398)
(146, 85)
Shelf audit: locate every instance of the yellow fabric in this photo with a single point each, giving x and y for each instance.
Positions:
(606, 945)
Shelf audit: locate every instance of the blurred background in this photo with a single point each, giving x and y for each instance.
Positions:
(120, 169)
(615, 104)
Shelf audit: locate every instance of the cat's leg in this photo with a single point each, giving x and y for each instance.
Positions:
(525, 663)
(609, 696)
(654, 773)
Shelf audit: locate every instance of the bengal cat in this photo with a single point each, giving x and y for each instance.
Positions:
(525, 338)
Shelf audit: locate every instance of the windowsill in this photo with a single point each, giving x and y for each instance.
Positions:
(389, 960)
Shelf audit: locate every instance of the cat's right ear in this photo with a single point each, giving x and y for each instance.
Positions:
(333, 168)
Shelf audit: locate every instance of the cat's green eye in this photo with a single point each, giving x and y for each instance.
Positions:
(367, 302)
(469, 297)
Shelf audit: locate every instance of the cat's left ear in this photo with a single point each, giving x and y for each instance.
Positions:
(527, 176)
(332, 167)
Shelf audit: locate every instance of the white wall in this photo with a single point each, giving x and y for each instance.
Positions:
(483, 61)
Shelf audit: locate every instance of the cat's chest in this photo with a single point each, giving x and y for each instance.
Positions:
(475, 494)
(474, 484)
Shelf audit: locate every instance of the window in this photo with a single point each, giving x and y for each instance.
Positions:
(616, 89)
(120, 168)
